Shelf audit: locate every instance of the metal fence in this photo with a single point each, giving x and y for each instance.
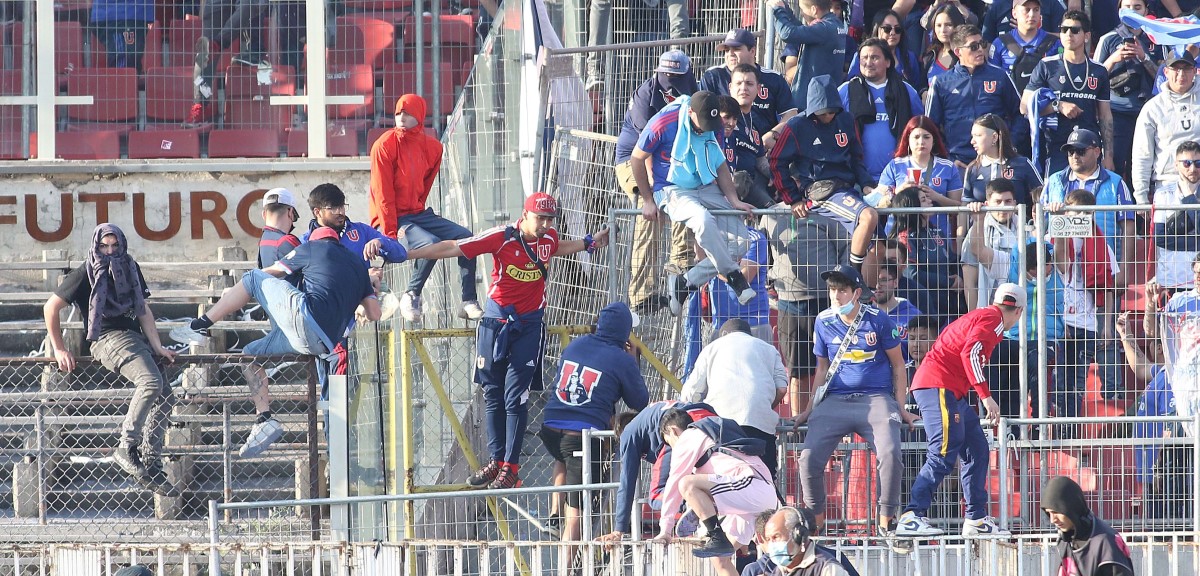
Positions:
(59, 431)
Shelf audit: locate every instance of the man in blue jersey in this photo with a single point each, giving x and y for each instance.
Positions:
(596, 371)
(900, 310)
(639, 439)
(1081, 90)
(969, 90)
(680, 148)
(863, 395)
(881, 103)
(672, 78)
(771, 103)
(1017, 51)
(744, 147)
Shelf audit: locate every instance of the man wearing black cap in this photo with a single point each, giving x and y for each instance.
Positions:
(680, 148)
(1080, 85)
(773, 102)
(1087, 544)
(861, 383)
(1166, 121)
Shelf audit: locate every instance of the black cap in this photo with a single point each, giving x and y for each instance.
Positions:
(844, 273)
(1081, 139)
(1184, 58)
(708, 113)
(737, 38)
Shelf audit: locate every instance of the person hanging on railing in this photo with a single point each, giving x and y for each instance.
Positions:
(111, 294)
(859, 387)
(817, 164)
(596, 372)
(308, 320)
(672, 78)
(1087, 545)
(949, 371)
(511, 337)
(404, 166)
(990, 247)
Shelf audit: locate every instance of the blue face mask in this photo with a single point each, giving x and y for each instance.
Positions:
(845, 309)
(778, 553)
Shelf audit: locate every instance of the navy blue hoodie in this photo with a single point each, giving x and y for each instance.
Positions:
(596, 372)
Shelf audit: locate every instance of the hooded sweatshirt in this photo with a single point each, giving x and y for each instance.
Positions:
(1092, 548)
(596, 372)
(404, 165)
(651, 96)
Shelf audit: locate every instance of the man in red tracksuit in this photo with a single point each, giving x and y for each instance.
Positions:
(952, 367)
(404, 166)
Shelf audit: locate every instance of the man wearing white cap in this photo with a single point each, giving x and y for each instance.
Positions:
(279, 219)
(941, 385)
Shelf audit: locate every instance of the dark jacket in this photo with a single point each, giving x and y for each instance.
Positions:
(959, 96)
(823, 51)
(1092, 547)
(648, 99)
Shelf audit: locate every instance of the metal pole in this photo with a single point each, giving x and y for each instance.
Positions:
(214, 540)
(314, 465)
(1003, 457)
(586, 524)
(315, 85)
(1195, 473)
(47, 86)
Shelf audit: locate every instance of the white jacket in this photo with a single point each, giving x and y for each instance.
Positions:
(1167, 120)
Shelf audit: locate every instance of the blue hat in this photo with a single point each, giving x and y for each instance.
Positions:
(674, 62)
(737, 38)
(1081, 139)
(846, 273)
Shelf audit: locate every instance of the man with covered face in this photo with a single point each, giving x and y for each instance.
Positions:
(1087, 545)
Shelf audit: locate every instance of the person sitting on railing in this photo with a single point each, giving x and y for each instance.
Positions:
(596, 372)
(789, 546)
(1087, 545)
(859, 387)
(305, 320)
(953, 366)
(817, 164)
(1177, 232)
(110, 292)
(404, 166)
(724, 486)
(744, 149)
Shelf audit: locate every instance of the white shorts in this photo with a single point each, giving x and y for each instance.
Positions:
(741, 500)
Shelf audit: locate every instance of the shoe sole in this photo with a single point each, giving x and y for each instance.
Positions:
(713, 553)
(178, 335)
(920, 535)
(250, 452)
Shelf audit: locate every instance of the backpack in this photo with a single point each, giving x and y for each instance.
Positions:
(1094, 264)
(1027, 59)
(729, 438)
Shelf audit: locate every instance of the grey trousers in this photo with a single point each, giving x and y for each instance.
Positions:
(875, 417)
(600, 29)
(128, 354)
(724, 238)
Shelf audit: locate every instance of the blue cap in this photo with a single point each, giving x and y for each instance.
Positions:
(845, 273)
(674, 62)
(737, 38)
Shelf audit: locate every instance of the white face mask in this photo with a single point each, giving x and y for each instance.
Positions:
(778, 553)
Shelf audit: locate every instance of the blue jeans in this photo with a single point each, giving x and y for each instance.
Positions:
(956, 436)
(508, 364)
(425, 228)
(294, 329)
(1079, 350)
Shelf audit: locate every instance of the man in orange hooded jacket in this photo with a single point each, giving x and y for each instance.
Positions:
(404, 165)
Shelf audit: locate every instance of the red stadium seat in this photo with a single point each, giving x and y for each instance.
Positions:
(351, 81)
(168, 93)
(164, 144)
(458, 43)
(68, 47)
(181, 41)
(91, 145)
(10, 117)
(248, 97)
(153, 55)
(114, 95)
(361, 39)
(251, 143)
(335, 144)
(373, 135)
(400, 79)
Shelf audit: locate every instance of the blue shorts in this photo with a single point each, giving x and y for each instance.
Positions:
(293, 329)
(843, 206)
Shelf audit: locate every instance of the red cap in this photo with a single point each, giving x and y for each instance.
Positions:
(323, 233)
(542, 203)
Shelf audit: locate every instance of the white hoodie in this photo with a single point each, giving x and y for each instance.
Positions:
(1167, 120)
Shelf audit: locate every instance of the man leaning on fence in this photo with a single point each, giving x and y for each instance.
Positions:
(681, 146)
(596, 372)
(110, 292)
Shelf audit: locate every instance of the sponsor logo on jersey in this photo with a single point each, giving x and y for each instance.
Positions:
(523, 275)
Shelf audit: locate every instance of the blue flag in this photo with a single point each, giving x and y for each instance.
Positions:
(1165, 31)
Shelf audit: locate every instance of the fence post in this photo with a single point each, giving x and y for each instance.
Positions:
(1003, 457)
(214, 540)
(51, 277)
(586, 525)
(1195, 474)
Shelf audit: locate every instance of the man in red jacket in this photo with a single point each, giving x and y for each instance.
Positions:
(404, 166)
(952, 367)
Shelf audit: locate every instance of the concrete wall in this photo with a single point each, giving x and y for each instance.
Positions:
(166, 216)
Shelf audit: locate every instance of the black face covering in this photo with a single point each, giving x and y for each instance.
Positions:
(677, 84)
(1063, 495)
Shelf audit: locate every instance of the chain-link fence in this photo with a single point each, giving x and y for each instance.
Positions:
(60, 430)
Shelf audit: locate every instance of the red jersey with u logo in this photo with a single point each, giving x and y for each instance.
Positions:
(516, 279)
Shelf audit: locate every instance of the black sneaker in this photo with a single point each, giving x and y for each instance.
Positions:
(714, 546)
(485, 475)
(737, 282)
(157, 481)
(128, 459)
(553, 526)
(888, 533)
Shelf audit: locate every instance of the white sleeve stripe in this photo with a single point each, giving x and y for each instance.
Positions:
(976, 365)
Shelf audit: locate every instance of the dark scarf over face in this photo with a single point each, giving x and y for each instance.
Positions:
(895, 102)
(116, 290)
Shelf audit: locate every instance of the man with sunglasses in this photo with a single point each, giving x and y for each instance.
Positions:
(1175, 236)
(1019, 50)
(1166, 121)
(1081, 90)
(969, 90)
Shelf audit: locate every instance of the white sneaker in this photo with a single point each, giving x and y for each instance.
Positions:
(388, 305)
(470, 310)
(985, 526)
(186, 335)
(410, 307)
(262, 435)
(911, 525)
